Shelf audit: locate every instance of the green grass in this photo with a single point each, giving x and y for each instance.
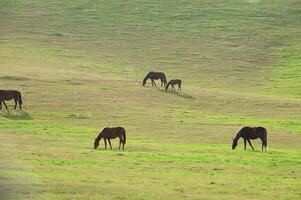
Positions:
(80, 65)
(286, 76)
(193, 117)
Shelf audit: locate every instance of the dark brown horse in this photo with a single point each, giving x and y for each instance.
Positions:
(6, 95)
(174, 82)
(155, 76)
(252, 133)
(111, 133)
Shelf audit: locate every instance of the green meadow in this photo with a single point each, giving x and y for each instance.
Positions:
(80, 64)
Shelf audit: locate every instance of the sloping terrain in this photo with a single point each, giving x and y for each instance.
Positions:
(80, 65)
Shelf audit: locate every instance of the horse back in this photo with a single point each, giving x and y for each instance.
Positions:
(174, 82)
(112, 133)
(156, 75)
(254, 132)
(177, 81)
(9, 94)
(261, 132)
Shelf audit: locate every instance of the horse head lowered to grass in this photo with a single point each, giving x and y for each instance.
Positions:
(111, 133)
(155, 76)
(174, 82)
(252, 133)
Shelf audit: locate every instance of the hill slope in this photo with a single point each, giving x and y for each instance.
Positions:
(80, 65)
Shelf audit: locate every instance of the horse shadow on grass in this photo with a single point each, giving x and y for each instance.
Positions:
(177, 93)
(15, 115)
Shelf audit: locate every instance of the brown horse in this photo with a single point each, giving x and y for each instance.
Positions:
(6, 95)
(155, 76)
(248, 133)
(111, 133)
(174, 82)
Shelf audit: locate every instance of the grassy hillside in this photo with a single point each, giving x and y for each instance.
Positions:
(80, 65)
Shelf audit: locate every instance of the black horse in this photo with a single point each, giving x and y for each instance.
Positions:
(155, 76)
(174, 82)
(248, 133)
(6, 95)
(111, 133)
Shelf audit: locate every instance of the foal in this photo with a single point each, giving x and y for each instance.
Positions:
(248, 133)
(174, 82)
(111, 133)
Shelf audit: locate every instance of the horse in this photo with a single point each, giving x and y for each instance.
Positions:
(6, 95)
(155, 76)
(111, 133)
(174, 82)
(248, 133)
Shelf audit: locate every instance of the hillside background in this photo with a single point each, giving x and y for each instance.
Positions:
(80, 64)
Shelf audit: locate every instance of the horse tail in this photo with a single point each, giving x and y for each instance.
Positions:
(124, 137)
(265, 138)
(166, 87)
(20, 98)
(164, 78)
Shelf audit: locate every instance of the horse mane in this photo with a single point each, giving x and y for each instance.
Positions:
(238, 135)
(98, 138)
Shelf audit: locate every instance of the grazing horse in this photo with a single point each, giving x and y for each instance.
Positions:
(111, 133)
(6, 95)
(174, 82)
(155, 76)
(248, 133)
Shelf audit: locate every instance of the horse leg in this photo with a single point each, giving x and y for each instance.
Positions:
(154, 82)
(15, 104)
(105, 143)
(245, 143)
(110, 143)
(5, 104)
(119, 143)
(0, 105)
(20, 105)
(250, 143)
(123, 144)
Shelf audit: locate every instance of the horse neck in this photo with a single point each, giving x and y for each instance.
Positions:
(168, 85)
(99, 137)
(163, 77)
(146, 77)
(237, 136)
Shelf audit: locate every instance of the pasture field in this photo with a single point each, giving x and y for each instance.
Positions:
(79, 65)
